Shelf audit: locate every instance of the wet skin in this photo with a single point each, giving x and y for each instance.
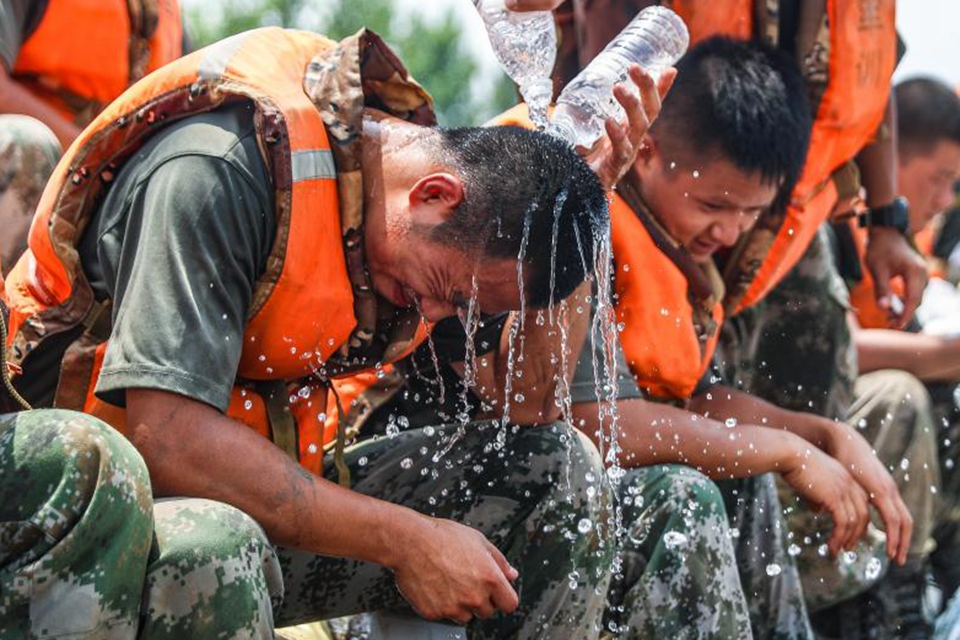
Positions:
(705, 204)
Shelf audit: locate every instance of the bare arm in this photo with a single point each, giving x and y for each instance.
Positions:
(835, 438)
(929, 358)
(444, 569)
(888, 252)
(15, 99)
(651, 433)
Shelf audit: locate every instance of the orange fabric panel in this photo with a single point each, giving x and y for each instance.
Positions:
(166, 45)
(706, 18)
(81, 46)
(659, 339)
(114, 416)
(862, 59)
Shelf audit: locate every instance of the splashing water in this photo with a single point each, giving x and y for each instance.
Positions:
(433, 352)
(470, 320)
(517, 325)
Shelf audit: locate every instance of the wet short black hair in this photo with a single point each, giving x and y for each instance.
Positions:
(928, 111)
(743, 101)
(521, 183)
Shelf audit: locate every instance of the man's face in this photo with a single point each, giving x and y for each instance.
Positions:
(705, 205)
(927, 179)
(414, 268)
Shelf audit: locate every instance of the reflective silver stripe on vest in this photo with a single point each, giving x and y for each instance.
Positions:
(218, 56)
(313, 164)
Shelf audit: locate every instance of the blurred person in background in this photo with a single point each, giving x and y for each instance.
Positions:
(61, 63)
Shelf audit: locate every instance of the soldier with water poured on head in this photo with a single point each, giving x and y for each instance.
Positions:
(222, 244)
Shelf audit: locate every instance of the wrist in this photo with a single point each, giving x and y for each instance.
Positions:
(398, 530)
(793, 450)
(894, 215)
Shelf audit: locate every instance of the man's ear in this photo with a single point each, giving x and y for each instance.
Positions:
(435, 197)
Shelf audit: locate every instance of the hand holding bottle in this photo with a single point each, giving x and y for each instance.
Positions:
(612, 155)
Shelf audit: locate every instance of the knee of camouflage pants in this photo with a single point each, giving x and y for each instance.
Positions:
(892, 410)
(75, 527)
(679, 574)
(28, 153)
(212, 574)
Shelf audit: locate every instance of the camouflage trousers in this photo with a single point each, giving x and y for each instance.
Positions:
(795, 350)
(688, 570)
(28, 153)
(946, 534)
(85, 551)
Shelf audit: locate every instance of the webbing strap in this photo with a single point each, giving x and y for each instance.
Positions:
(283, 428)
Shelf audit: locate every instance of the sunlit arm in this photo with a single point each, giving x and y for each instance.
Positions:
(654, 433)
(929, 358)
(14, 98)
(444, 569)
(837, 439)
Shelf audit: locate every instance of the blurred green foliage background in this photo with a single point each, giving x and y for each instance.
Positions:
(433, 49)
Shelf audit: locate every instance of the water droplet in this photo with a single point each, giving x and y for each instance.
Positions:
(730, 423)
(773, 569)
(321, 417)
(696, 174)
(262, 358)
(823, 550)
(904, 464)
(406, 463)
(363, 461)
(794, 550)
(429, 431)
(674, 539)
(312, 448)
(848, 557)
(304, 392)
(585, 525)
(248, 404)
(873, 569)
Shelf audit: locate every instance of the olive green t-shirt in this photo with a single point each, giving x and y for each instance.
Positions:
(177, 245)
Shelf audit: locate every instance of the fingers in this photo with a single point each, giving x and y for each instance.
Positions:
(892, 525)
(906, 532)
(862, 515)
(533, 5)
(899, 526)
(841, 523)
(665, 82)
(503, 563)
(915, 281)
(649, 94)
(502, 594)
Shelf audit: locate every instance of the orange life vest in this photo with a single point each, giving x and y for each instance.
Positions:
(90, 51)
(666, 349)
(303, 306)
(862, 57)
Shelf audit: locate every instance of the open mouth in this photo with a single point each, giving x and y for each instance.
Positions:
(701, 248)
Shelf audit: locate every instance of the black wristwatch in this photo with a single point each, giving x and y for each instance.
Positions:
(895, 215)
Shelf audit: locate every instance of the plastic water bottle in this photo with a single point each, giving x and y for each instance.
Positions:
(655, 40)
(525, 43)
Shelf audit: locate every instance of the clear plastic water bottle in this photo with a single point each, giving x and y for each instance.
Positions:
(655, 40)
(525, 43)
